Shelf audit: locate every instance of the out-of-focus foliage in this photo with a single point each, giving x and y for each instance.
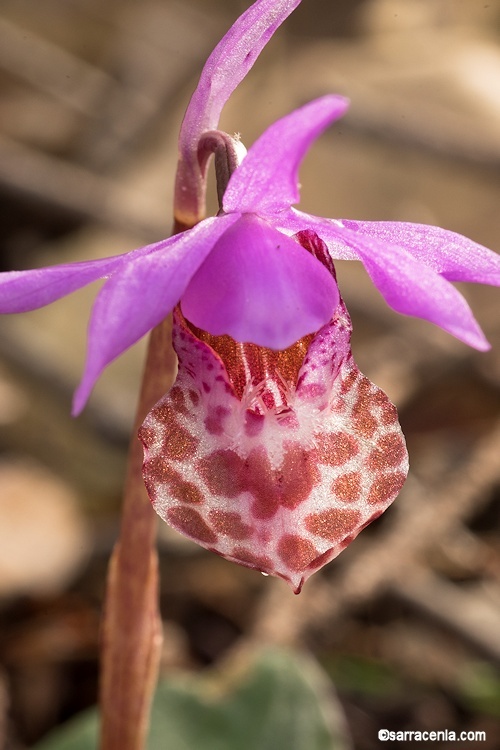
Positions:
(270, 700)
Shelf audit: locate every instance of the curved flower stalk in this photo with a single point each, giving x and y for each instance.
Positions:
(273, 459)
(226, 67)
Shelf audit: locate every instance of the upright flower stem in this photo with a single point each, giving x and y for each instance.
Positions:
(132, 629)
(132, 632)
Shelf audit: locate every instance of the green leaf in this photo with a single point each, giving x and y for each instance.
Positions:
(362, 675)
(78, 734)
(479, 687)
(269, 699)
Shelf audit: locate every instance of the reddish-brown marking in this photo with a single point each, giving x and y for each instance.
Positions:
(287, 486)
(336, 448)
(347, 487)
(178, 443)
(251, 560)
(190, 522)
(176, 395)
(147, 435)
(349, 381)
(263, 483)
(297, 553)
(254, 423)
(334, 524)
(214, 420)
(181, 490)
(298, 475)
(152, 486)
(364, 422)
(264, 364)
(388, 413)
(222, 472)
(227, 474)
(230, 524)
(154, 475)
(164, 413)
(385, 487)
(389, 452)
(194, 396)
(365, 387)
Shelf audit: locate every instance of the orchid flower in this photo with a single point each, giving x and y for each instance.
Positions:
(275, 460)
(271, 448)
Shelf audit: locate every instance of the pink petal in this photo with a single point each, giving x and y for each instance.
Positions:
(285, 491)
(407, 284)
(267, 179)
(141, 294)
(453, 256)
(21, 291)
(293, 221)
(259, 285)
(226, 67)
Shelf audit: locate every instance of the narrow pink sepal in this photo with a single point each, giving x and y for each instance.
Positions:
(267, 179)
(282, 490)
(452, 255)
(259, 286)
(226, 67)
(141, 294)
(409, 285)
(21, 291)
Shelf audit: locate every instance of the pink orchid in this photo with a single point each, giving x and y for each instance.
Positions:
(275, 460)
(240, 271)
(274, 451)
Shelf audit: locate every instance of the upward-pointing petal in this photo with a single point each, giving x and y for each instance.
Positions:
(267, 179)
(224, 70)
(141, 294)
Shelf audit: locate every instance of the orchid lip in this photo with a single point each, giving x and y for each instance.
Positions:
(281, 495)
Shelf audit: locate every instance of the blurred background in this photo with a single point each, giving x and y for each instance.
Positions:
(406, 622)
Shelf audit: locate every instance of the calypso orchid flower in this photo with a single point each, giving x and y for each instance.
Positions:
(273, 459)
(271, 448)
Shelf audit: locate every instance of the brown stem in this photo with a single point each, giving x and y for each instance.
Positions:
(225, 149)
(132, 632)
